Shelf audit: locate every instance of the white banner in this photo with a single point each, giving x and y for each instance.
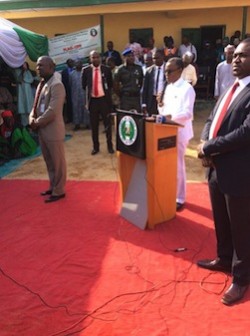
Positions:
(75, 45)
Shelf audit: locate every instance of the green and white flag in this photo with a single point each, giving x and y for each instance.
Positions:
(17, 43)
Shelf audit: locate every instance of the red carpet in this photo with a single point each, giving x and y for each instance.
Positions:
(75, 267)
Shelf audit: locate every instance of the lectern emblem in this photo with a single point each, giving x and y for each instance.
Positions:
(127, 130)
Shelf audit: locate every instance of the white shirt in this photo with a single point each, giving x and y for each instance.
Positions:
(161, 79)
(178, 101)
(189, 74)
(224, 78)
(183, 49)
(242, 84)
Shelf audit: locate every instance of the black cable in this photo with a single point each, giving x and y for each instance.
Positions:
(38, 295)
(133, 269)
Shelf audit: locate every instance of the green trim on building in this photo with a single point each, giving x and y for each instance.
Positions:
(38, 4)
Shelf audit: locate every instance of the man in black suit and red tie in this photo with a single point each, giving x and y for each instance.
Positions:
(225, 149)
(65, 79)
(97, 81)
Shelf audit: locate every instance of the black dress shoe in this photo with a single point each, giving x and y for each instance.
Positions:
(54, 198)
(46, 192)
(111, 150)
(214, 265)
(179, 206)
(234, 293)
(94, 151)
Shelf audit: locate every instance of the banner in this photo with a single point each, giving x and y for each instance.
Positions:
(74, 45)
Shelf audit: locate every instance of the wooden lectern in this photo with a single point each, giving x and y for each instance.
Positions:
(148, 186)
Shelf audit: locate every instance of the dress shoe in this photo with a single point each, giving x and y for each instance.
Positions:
(214, 265)
(94, 151)
(54, 198)
(179, 206)
(234, 293)
(111, 150)
(46, 192)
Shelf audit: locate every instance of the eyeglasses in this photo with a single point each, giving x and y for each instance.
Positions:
(171, 71)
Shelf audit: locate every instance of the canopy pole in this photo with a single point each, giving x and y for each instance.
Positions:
(244, 21)
(102, 33)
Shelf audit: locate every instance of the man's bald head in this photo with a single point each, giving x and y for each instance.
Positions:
(45, 67)
(95, 58)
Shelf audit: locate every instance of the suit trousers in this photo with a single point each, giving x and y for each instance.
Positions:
(181, 172)
(232, 226)
(153, 109)
(99, 107)
(54, 157)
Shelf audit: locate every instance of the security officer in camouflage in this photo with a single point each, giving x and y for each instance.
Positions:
(128, 80)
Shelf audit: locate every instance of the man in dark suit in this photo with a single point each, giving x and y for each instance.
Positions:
(225, 147)
(112, 53)
(97, 81)
(154, 82)
(65, 79)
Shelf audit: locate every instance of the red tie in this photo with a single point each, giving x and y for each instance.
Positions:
(38, 93)
(96, 83)
(224, 109)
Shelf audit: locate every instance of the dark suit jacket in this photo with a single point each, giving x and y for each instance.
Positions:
(107, 81)
(148, 87)
(65, 80)
(231, 148)
(116, 55)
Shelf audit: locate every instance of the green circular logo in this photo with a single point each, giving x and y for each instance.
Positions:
(127, 130)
